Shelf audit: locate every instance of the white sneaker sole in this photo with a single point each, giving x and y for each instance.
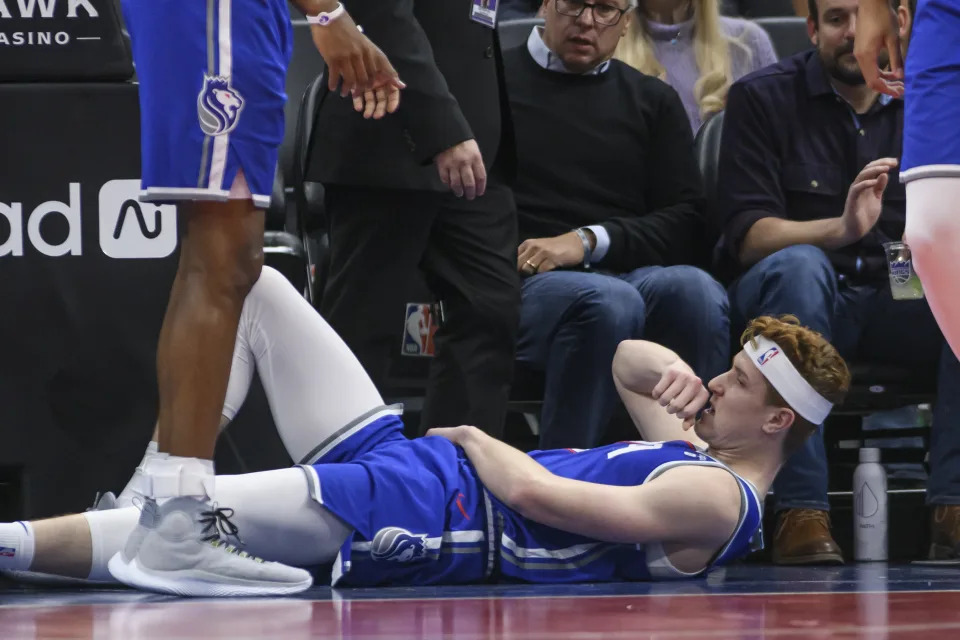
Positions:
(195, 583)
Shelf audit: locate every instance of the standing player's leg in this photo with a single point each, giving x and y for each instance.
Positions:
(933, 233)
(931, 159)
(221, 257)
(211, 122)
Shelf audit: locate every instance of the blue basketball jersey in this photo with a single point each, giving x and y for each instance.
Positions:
(533, 552)
(212, 78)
(421, 515)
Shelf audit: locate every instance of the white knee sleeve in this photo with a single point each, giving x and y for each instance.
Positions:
(314, 383)
(278, 520)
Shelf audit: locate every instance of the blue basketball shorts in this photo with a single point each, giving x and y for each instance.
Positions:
(420, 514)
(212, 77)
(931, 127)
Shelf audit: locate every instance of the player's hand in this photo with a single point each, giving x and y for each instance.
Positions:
(365, 71)
(376, 103)
(539, 255)
(681, 392)
(877, 29)
(461, 168)
(456, 435)
(865, 200)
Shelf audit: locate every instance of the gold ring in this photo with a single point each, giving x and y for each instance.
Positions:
(532, 266)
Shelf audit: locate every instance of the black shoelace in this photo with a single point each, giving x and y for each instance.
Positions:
(217, 525)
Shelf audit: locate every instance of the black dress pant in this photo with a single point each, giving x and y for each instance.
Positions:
(466, 250)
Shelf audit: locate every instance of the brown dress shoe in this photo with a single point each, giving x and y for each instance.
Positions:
(945, 532)
(803, 537)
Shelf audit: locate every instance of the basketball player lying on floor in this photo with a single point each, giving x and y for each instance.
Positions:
(458, 506)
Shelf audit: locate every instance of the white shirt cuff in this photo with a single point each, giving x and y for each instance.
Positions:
(603, 242)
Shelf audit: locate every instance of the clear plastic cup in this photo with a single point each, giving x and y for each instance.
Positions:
(904, 283)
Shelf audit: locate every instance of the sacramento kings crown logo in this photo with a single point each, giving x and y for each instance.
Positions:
(218, 106)
(900, 271)
(398, 545)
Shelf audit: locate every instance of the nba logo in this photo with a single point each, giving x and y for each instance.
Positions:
(767, 355)
(419, 327)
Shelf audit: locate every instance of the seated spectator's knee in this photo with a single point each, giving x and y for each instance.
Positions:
(695, 289)
(801, 267)
(609, 309)
(799, 261)
(797, 280)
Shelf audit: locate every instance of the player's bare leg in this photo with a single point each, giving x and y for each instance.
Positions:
(933, 233)
(220, 261)
(63, 546)
(177, 546)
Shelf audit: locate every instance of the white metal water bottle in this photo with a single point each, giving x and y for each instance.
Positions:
(870, 508)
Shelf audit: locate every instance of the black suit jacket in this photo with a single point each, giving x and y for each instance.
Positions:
(454, 92)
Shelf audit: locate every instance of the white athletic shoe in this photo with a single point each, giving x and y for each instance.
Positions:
(102, 502)
(176, 548)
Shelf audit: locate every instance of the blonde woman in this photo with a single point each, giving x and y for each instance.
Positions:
(688, 44)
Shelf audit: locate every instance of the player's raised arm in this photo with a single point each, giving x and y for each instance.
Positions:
(876, 31)
(660, 391)
(696, 505)
(350, 56)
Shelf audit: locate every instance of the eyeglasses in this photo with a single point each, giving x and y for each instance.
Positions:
(605, 14)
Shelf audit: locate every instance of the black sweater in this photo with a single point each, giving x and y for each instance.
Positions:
(613, 149)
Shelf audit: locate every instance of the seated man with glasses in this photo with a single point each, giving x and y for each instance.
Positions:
(610, 212)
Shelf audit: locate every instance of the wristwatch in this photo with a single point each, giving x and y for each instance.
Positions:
(325, 18)
(587, 250)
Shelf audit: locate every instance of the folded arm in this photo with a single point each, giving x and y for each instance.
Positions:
(661, 392)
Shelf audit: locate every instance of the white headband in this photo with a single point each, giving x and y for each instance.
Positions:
(780, 372)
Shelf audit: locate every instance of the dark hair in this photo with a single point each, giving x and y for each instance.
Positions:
(815, 13)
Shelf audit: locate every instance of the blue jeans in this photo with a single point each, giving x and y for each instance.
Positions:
(863, 322)
(571, 323)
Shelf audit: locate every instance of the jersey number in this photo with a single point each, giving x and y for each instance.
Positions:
(634, 446)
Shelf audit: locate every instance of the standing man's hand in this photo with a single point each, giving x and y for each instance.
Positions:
(877, 29)
(365, 71)
(461, 168)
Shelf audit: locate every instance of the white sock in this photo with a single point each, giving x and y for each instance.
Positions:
(109, 531)
(166, 477)
(125, 499)
(16, 545)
